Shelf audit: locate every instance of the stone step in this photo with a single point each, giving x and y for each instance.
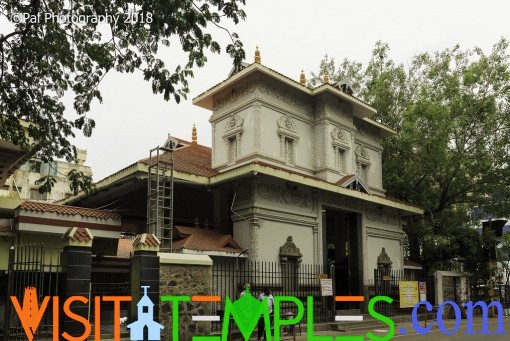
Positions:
(357, 326)
(368, 323)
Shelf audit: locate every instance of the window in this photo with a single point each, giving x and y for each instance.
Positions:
(340, 162)
(363, 162)
(363, 172)
(232, 150)
(232, 137)
(288, 134)
(289, 150)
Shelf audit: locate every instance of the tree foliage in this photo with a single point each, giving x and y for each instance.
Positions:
(54, 47)
(451, 110)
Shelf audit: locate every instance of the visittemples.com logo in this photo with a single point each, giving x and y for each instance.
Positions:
(245, 313)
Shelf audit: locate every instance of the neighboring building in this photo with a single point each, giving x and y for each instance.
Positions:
(287, 162)
(22, 183)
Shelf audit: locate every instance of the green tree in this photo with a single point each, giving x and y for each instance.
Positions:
(504, 257)
(451, 153)
(53, 47)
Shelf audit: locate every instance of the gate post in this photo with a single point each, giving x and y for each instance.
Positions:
(10, 279)
(76, 263)
(144, 271)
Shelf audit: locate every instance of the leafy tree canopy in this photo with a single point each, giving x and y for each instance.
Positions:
(53, 47)
(451, 110)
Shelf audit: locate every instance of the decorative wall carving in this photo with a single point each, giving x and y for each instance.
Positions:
(257, 108)
(233, 125)
(362, 156)
(325, 147)
(333, 199)
(232, 136)
(339, 134)
(254, 237)
(380, 216)
(283, 195)
(384, 262)
(286, 96)
(340, 110)
(340, 145)
(234, 95)
(287, 126)
(287, 130)
(290, 250)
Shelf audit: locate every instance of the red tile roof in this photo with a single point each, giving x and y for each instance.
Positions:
(191, 158)
(204, 240)
(344, 179)
(5, 229)
(195, 159)
(146, 239)
(124, 248)
(68, 210)
(78, 234)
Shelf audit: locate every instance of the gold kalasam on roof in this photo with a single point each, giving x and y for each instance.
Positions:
(194, 134)
(257, 55)
(302, 78)
(326, 78)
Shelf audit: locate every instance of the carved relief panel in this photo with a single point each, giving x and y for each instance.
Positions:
(288, 133)
(232, 136)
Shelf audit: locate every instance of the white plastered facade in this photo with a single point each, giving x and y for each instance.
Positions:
(316, 136)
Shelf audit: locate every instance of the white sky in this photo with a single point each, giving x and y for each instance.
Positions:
(292, 35)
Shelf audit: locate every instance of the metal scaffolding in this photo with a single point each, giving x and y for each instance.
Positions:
(160, 194)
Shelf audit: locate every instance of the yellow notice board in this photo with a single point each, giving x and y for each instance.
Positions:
(409, 294)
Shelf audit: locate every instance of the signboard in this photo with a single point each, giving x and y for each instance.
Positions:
(423, 291)
(326, 287)
(408, 293)
(386, 278)
(322, 276)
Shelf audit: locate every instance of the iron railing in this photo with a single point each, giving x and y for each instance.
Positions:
(386, 283)
(37, 267)
(283, 279)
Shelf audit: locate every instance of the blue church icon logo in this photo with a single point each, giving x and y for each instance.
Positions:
(145, 320)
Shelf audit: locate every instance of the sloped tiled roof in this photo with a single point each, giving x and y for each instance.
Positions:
(194, 238)
(124, 248)
(191, 158)
(68, 210)
(5, 228)
(146, 239)
(78, 234)
(344, 179)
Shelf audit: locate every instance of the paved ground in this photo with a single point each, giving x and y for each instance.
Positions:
(435, 333)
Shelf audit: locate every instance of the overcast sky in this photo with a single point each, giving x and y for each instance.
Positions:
(292, 35)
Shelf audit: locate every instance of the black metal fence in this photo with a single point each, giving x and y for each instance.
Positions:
(35, 267)
(289, 279)
(386, 283)
(500, 292)
(110, 288)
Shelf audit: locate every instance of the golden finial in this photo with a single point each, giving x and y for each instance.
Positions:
(194, 134)
(302, 78)
(326, 77)
(257, 55)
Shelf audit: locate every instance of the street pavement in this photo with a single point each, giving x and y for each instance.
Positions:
(434, 334)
